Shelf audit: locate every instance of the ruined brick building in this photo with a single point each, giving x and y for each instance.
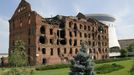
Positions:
(57, 39)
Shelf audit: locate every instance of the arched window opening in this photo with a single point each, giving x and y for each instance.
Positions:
(42, 40)
(42, 30)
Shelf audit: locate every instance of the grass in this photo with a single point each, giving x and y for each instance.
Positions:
(125, 71)
(127, 64)
(65, 71)
(108, 68)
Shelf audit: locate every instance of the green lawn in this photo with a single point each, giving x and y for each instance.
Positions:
(127, 64)
(64, 71)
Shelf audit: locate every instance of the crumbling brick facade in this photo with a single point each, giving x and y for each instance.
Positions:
(57, 39)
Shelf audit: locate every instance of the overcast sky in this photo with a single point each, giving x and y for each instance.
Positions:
(122, 10)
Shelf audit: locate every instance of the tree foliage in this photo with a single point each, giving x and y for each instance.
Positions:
(82, 64)
(18, 56)
(124, 52)
(130, 48)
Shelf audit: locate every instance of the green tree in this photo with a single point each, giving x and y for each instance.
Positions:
(130, 48)
(82, 63)
(18, 56)
(124, 52)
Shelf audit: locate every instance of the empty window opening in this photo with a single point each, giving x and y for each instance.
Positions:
(93, 36)
(75, 33)
(39, 49)
(70, 33)
(42, 30)
(89, 42)
(58, 33)
(42, 40)
(85, 27)
(99, 50)
(43, 61)
(51, 41)
(105, 37)
(90, 51)
(70, 41)
(75, 26)
(51, 31)
(71, 51)
(105, 31)
(81, 26)
(85, 35)
(70, 24)
(93, 43)
(93, 29)
(94, 57)
(63, 42)
(65, 51)
(58, 50)
(29, 54)
(102, 37)
(89, 28)
(62, 25)
(51, 51)
(99, 38)
(75, 42)
(76, 51)
(43, 51)
(99, 44)
(28, 41)
(106, 50)
(58, 41)
(62, 34)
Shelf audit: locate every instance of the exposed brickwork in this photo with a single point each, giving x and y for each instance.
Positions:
(56, 40)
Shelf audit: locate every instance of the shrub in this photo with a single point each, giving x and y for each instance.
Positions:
(18, 56)
(16, 71)
(124, 53)
(107, 68)
(49, 67)
(110, 60)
